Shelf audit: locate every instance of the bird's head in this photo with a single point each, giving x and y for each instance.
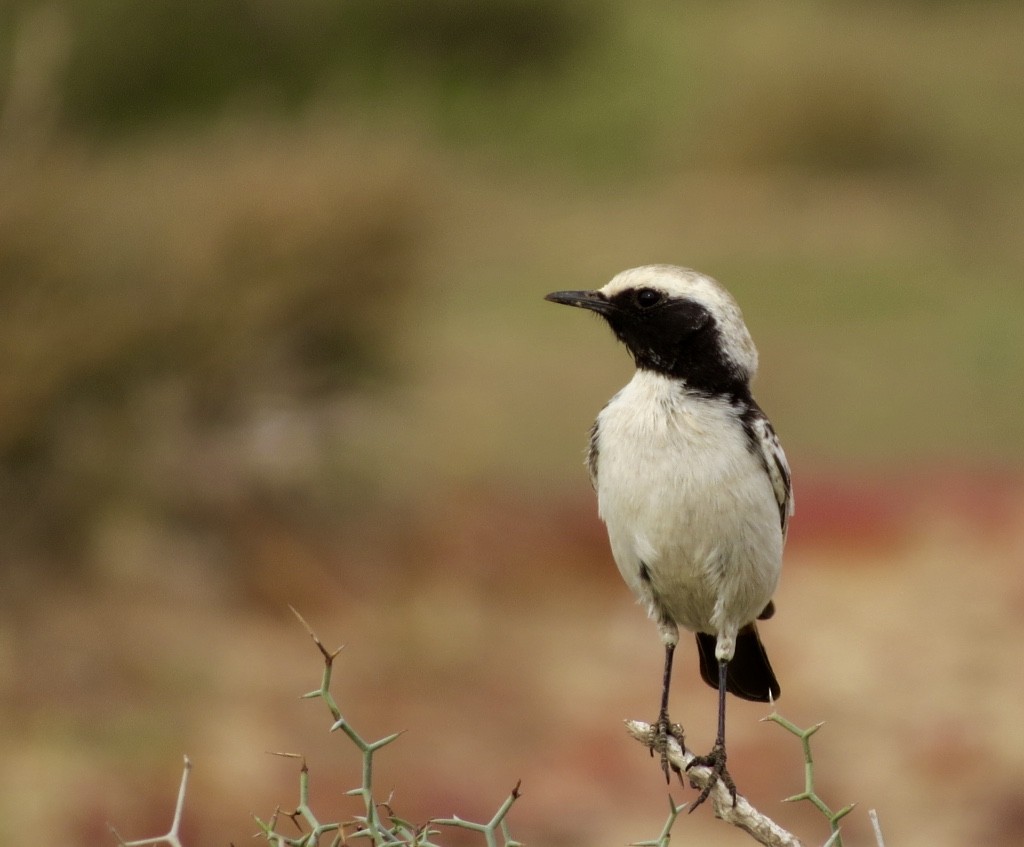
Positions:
(677, 322)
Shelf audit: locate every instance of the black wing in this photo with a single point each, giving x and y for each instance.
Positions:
(766, 444)
(592, 455)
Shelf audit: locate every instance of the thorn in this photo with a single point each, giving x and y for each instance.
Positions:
(376, 745)
(843, 812)
(296, 819)
(327, 654)
(302, 620)
(877, 827)
(833, 839)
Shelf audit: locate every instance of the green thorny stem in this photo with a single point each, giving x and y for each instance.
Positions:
(387, 830)
(371, 825)
(809, 793)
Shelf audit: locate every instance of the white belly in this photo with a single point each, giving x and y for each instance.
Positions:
(685, 499)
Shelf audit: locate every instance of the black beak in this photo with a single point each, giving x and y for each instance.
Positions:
(593, 300)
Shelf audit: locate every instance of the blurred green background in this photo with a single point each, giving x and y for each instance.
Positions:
(272, 331)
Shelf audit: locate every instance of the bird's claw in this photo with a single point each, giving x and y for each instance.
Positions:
(659, 742)
(715, 760)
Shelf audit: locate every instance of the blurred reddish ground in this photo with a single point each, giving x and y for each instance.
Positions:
(493, 629)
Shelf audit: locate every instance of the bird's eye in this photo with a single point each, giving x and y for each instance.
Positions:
(647, 297)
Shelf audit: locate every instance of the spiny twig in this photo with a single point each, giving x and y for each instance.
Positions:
(809, 793)
(378, 824)
(173, 836)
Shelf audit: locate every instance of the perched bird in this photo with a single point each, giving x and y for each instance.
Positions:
(691, 482)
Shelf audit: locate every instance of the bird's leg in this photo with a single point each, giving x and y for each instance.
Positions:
(716, 758)
(663, 729)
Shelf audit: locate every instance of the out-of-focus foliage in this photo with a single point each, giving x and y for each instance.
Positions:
(604, 87)
(174, 327)
(161, 322)
(134, 63)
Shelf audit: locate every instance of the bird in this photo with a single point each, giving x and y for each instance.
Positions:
(692, 484)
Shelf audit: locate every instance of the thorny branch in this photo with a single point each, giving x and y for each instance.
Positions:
(387, 828)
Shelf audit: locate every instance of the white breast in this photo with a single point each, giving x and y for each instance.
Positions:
(682, 494)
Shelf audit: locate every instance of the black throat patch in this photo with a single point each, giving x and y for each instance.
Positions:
(679, 338)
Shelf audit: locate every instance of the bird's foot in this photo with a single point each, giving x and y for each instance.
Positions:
(659, 742)
(719, 773)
